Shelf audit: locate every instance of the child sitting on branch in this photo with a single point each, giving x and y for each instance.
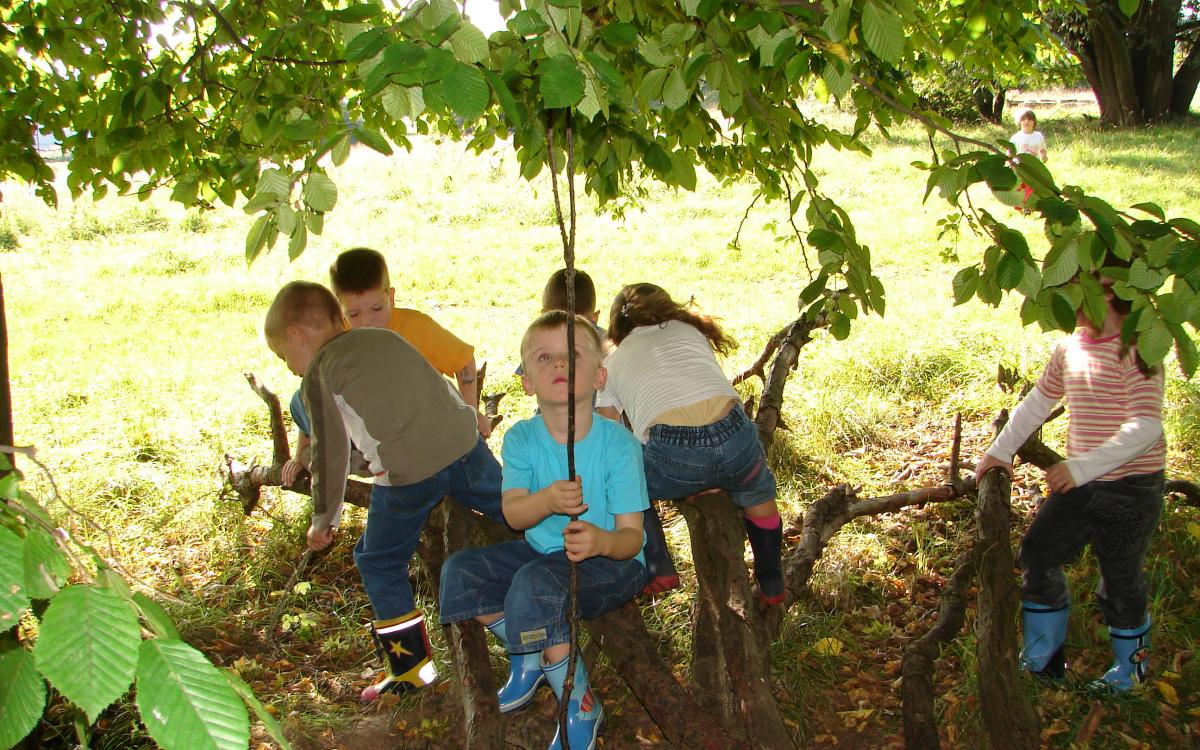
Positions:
(360, 281)
(420, 443)
(1108, 493)
(520, 589)
(695, 435)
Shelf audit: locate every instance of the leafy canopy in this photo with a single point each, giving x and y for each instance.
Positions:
(216, 101)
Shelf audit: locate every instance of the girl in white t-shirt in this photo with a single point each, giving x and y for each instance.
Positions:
(1028, 141)
(695, 436)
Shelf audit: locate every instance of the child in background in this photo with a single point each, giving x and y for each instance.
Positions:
(370, 386)
(695, 435)
(1108, 493)
(360, 281)
(520, 589)
(1027, 140)
(663, 575)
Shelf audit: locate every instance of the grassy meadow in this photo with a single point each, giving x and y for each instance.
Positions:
(130, 325)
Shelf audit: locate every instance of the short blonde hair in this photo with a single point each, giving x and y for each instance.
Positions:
(548, 321)
(304, 303)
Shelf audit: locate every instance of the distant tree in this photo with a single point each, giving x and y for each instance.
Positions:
(1141, 57)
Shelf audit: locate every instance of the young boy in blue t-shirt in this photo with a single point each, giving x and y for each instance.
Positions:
(520, 589)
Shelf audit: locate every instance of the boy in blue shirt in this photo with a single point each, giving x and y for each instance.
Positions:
(520, 589)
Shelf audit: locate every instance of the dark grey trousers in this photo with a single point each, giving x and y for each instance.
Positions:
(1117, 519)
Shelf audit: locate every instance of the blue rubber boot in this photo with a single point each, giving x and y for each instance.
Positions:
(583, 727)
(1045, 632)
(524, 674)
(1131, 647)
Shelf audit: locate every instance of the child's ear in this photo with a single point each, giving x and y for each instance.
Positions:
(526, 385)
(601, 378)
(391, 292)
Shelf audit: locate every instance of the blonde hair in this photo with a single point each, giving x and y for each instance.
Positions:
(548, 321)
(304, 303)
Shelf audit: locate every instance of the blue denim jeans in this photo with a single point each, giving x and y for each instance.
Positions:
(681, 461)
(1117, 518)
(532, 590)
(397, 516)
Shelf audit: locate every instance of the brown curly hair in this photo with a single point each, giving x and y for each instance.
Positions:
(647, 305)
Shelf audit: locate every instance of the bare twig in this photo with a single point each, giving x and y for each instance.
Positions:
(736, 241)
(758, 368)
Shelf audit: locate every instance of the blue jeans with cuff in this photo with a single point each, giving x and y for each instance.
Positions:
(533, 590)
(397, 517)
(681, 461)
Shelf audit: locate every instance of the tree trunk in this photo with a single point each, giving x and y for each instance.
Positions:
(731, 638)
(1009, 719)
(1115, 65)
(1183, 89)
(467, 640)
(916, 689)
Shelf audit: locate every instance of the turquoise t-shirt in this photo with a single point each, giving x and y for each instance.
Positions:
(608, 459)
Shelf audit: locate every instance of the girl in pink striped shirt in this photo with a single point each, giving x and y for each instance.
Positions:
(1109, 492)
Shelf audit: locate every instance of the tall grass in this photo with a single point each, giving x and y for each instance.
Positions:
(130, 326)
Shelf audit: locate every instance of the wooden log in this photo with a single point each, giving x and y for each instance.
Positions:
(1008, 717)
(631, 650)
(739, 635)
(467, 640)
(916, 689)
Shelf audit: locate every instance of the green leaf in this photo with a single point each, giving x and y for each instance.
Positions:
(46, 566)
(505, 97)
(159, 622)
(683, 170)
(256, 238)
(341, 149)
(883, 31)
(619, 34)
(1009, 271)
(965, 283)
(675, 91)
(837, 78)
(88, 645)
(1062, 263)
(373, 140)
(1034, 174)
(1151, 208)
(469, 44)
(996, 172)
(260, 711)
(1171, 309)
(185, 702)
(13, 597)
(652, 85)
(466, 91)
(1142, 276)
(1187, 226)
(1063, 310)
(355, 13)
(656, 158)
(367, 44)
(320, 192)
(1128, 7)
(838, 21)
(438, 64)
(297, 241)
(652, 53)
(1184, 258)
(527, 23)
(302, 129)
(839, 326)
(273, 182)
(813, 290)
(1095, 301)
(1185, 350)
(560, 81)
(22, 696)
(1154, 342)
